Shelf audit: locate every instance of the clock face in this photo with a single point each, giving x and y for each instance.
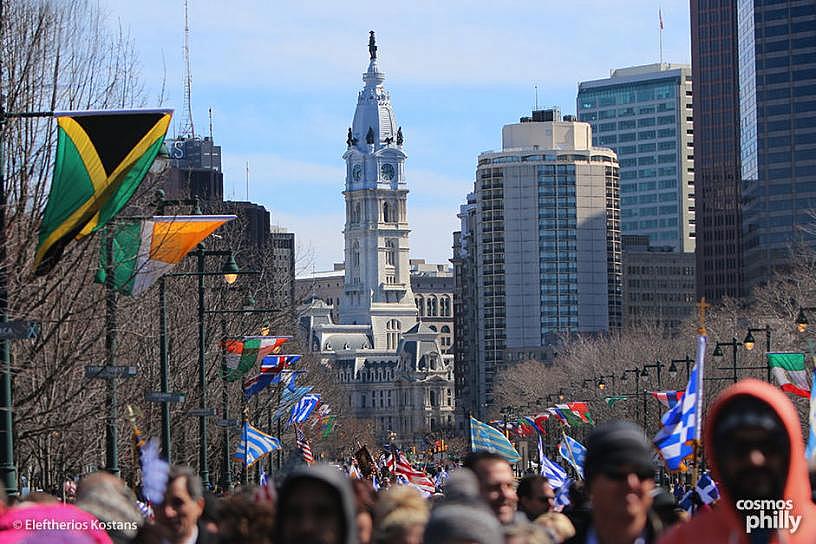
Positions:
(387, 172)
(357, 172)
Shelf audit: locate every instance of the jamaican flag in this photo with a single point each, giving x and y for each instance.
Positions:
(102, 157)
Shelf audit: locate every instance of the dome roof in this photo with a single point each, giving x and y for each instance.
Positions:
(374, 108)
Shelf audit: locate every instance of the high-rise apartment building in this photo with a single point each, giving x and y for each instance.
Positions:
(644, 113)
(546, 243)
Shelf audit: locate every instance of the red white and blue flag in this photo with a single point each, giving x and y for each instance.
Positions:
(303, 445)
(668, 398)
(272, 364)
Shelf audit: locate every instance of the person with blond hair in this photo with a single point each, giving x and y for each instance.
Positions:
(400, 516)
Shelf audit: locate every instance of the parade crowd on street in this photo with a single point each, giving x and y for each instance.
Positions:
(758, 490)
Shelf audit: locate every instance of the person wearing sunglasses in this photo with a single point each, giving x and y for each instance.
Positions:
(619, 476)
(753, 443)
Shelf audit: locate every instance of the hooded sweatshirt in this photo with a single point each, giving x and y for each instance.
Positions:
(723, 523)
(330, 476)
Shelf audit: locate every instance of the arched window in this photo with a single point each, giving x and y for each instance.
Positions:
(433, 309)
(355, 253)
(392, 331)
(355, 214)
(433, 397)
(432, 327)
(386, 213)
(445, 329)
(445, 306)
(390, 253)
(420, 304)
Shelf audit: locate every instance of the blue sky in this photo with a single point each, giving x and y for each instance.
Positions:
(282, 83)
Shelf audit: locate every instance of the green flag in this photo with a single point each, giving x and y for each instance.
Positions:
(101, 159)
(612, 399)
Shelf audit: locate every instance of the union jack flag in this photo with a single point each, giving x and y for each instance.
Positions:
(303, 445)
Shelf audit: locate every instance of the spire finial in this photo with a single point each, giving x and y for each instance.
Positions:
(372, 45)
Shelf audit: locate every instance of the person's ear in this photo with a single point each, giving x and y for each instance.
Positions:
(200, 505)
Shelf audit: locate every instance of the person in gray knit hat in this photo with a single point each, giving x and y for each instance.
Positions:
(619, 477)
(108, 498)
(458, 523)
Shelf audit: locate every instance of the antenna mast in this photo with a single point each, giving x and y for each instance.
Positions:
(210, 124)
(247, 181)
(188, 129)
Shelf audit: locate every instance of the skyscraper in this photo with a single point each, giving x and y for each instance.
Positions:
(546, 244)
(644, 114)
(716, 148)
(754, 67)
(777, 78)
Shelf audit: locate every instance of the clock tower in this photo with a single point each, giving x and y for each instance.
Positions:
(377, 275)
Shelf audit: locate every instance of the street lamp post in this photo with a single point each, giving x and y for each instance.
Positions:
(645, 375)
(749, 343)
(801, 318)
(164, 366)
(673, 366)
(230, 271)
(602, 385)
(111, 434)
(719, 353)
(247, 309)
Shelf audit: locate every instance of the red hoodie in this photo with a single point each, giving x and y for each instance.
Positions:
(724, 524)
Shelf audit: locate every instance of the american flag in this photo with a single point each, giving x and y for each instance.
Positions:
(411, 475)
(304, 446)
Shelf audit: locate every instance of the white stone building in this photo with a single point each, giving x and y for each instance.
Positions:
(390, 364)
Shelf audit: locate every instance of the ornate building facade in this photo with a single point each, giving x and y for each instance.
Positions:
(391, 365)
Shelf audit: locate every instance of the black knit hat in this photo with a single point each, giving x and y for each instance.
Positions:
(615, 445)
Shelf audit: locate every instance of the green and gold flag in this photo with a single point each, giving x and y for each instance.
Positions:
(102, 157)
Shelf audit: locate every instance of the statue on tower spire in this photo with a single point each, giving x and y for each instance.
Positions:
(372, 45)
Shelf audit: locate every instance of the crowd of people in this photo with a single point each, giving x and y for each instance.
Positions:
(753, 444)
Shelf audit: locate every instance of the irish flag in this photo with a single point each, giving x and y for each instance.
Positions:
(144, 250)
(244, 354)
(789, 371)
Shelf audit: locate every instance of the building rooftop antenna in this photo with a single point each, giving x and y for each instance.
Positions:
(210, 113)
(188, 128)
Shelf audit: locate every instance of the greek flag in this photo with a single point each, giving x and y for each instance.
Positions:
(483, 437)
(562, 495)
(707, 489)
(574, 452)
(304, 407)
(687, 503)
(551, 470)
(254, 445)
(682, 425)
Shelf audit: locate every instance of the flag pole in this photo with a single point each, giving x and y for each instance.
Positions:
(245, 430)
(569, 449)
(660, 32)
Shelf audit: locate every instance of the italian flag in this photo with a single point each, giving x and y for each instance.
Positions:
(243, 355)
(144, 250)
(574, 413)
(789, 371)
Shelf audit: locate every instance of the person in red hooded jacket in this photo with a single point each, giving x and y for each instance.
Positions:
(753, 441)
